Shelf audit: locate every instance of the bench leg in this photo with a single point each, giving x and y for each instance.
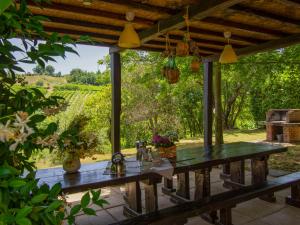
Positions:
(259, 167)
(294, 199)
(168, 186)
(225, 217)
(133, 199)
(183, 189)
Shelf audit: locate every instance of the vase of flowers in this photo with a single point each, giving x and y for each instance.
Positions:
(75, 142)
(165, 146)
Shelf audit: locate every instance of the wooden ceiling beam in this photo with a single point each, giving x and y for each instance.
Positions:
(267, 15)
(109, 38)
(248, 40)
(86, 11)
(201, 49)
(203, 10)
(133, 5)
(84, 24)
(246, 27)
(267, 46)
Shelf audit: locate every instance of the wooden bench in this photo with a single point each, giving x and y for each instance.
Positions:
(223, 202)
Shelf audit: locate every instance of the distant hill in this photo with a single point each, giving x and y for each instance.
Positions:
(45, 81)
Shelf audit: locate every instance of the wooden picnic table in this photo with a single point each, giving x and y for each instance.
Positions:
(195, 159)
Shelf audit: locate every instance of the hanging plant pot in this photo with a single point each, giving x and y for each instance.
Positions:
(172, 75)
(195, 65)
(182, 48)
(170, 71)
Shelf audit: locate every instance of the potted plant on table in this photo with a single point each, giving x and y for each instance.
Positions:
(76, 142)
(165, 146)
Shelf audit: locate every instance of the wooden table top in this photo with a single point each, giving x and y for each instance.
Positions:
(92, 175)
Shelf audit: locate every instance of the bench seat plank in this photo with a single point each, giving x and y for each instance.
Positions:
(215, 202)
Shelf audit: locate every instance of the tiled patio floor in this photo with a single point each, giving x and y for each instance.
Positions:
(254, 212)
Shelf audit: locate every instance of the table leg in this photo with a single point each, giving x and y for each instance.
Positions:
(225, 217)
(225, 174)
(151, 197)
(236, 177)
(202, 191)
(259, 167)
(168, 186)
(183, 189)
(132, 199)
(294, 199)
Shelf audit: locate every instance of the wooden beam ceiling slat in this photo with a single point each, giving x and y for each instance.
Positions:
(84, 11)
(257, 20)
(268, 15)
(267, 32)
(287, 8)
(199, 12)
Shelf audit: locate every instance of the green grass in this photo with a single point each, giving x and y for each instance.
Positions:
(48, 81)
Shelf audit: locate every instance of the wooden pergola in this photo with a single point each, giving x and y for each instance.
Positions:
(256, 26)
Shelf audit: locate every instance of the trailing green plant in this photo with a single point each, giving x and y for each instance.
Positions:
(23, 200)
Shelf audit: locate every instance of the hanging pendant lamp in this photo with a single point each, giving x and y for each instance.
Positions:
(129, 37)
(228, 55)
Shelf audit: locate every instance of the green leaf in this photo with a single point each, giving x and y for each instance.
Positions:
(4, 4)
(101, 202)
(96, 195)
(16, 183)
(56, 189)
(75, 209)
(89, 211)
(39, 198)
(23, 221)
(24, 212)
(54, 205)
(85, 200)
(4, 172)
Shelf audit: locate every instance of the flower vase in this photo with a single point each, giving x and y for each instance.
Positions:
(71, 163)
(167, 152)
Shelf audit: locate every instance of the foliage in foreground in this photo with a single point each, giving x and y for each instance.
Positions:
(23, 200)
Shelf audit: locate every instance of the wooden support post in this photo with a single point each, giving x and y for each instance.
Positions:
(294, 199)
(183, 188)
(208, 103)
(168, 186)
(115, 64)
(259, 167)
(133, 199)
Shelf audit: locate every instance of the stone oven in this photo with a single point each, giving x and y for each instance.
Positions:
(283, 125)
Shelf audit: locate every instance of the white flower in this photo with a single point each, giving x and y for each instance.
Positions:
(22, 119)
(6, 132)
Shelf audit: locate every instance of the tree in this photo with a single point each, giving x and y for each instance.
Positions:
(38, 70)
(49, 70)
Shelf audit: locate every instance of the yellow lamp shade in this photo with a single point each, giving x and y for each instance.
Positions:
(129, 38)
(228, 55)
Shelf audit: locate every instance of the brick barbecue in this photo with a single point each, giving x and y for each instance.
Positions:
(283, 125)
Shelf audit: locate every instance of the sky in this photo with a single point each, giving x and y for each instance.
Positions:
(89, 55)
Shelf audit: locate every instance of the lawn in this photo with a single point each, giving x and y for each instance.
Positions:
(289, 161)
